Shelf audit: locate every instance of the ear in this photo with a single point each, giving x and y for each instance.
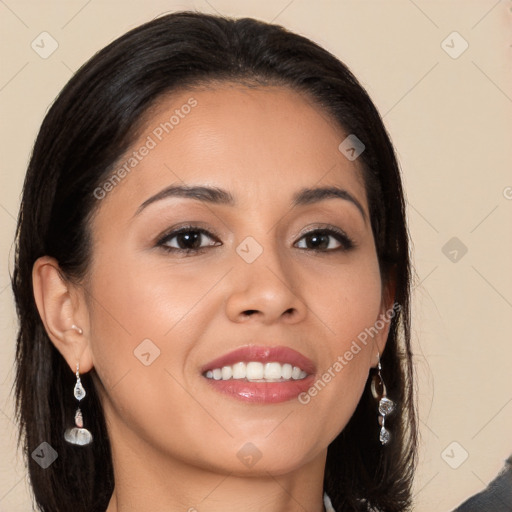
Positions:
(62, 306)
(388, 310)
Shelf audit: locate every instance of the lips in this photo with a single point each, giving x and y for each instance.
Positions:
(262, 354)
(262, 388)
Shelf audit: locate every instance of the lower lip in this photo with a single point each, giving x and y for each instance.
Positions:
(262, 392)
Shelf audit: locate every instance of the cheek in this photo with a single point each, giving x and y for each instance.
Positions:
(139, 342)
(144, 321)
(346, 300)
(133, 300)
(348, 305)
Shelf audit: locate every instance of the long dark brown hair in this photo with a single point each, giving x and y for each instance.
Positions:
(90, 125)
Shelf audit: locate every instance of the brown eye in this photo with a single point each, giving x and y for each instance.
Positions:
(326, 240)
(186, 239)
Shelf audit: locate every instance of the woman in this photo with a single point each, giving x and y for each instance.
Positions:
(212, 280)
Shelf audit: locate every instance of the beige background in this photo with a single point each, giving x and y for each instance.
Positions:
(450, 119)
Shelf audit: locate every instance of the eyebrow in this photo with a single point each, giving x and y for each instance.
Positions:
(215, 195)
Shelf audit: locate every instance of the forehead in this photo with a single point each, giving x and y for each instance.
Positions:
(261, 143)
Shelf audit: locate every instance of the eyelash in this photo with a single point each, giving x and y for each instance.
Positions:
(346, 243)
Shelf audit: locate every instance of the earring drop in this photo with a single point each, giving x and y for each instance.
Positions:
(386, 406)
(78, 435)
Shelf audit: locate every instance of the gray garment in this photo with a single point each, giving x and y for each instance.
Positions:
(496, 497)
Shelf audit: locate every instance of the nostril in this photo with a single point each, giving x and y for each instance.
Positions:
(249, 312)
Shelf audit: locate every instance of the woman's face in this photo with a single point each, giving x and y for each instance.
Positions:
(265, 268)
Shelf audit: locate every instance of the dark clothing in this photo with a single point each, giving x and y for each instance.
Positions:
(496, 497)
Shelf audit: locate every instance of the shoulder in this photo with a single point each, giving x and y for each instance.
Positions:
(496, 497)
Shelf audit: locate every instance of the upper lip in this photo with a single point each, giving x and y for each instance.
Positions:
(262, 354)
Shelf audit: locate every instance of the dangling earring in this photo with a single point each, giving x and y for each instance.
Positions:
(78, 435)
(386, 406)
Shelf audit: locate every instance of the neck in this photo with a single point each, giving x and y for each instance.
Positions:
(229, 494)
(147, 480)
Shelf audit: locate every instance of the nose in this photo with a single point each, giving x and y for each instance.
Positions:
(265, 291)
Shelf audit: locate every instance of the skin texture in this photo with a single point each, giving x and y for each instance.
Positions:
(175, 440)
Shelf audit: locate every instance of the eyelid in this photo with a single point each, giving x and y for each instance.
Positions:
(346, 242)
(328, 228)
(180, 228)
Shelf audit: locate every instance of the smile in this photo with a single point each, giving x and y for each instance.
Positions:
(260, 374)
(254, 371)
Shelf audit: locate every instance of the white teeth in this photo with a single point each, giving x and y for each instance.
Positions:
(239, 371)
(272, 371)
(295, 373)
(286, 371)
(254, 371)
(227, 372)
(258, 372)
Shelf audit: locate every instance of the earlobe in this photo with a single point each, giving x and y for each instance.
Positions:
(60, 312)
